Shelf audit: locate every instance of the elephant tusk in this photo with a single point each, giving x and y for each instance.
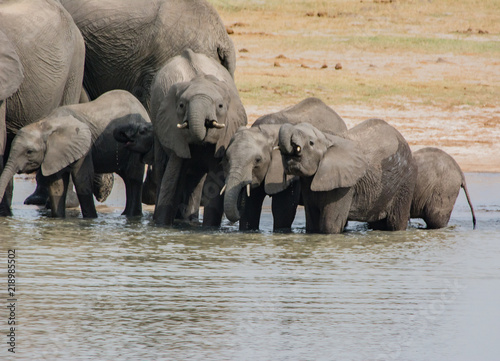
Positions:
(298, 149)
(276, 147)
(222, 190)
(218, 125)
(248, 190)
(183, 125)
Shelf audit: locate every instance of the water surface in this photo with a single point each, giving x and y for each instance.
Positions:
(119, 289)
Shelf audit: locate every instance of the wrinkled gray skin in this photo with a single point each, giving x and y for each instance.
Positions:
(438, 183)
(78, 140)
(195, 110)
(129, 41)
(251, 160)
(41, 67)
(369, 176)
(137, 135)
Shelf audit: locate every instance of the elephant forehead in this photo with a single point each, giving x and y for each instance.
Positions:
(202, 88)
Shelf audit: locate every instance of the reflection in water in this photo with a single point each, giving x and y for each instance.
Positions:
(113, 288)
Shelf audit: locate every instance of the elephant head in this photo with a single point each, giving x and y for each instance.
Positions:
(250, 161)
(202, 110)
(332, 161)
(51, 143)
(137, 135)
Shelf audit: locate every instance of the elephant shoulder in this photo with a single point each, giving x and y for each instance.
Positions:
(11, 69)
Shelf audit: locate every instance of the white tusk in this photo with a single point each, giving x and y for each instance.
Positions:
(223, 189)
(298, 149)
(182, 126)
(218, 125)
(277, 147)
(248, 190)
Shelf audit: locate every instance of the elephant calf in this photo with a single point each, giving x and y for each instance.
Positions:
(368, 176)
(439, 181)
(78, 140)
(254, 164)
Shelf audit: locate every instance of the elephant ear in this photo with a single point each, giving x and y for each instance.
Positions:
(236, 117)
(11, 69)
(276, 179)
(68, 140)
(342, 165)
(166, 120)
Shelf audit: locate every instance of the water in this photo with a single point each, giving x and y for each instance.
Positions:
(118, 289)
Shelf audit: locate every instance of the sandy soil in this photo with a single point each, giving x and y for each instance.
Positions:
(471, 134)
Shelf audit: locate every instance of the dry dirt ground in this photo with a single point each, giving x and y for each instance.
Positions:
(470, 133)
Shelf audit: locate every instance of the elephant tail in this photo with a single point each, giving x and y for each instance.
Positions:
(464, 186)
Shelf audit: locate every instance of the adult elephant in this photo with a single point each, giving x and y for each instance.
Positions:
(252, 162)
(39, 40)
(195, 110)
(78, 140)
(368, 176)
(438, 183)
(129, 41)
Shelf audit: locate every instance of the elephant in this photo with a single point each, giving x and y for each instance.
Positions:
(439, 180)
(252, 162)
(41, 68)
(195, 110)
(128, 42)
(369, 175)
(78, 140)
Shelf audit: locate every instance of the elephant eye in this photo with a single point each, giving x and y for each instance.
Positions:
(311, 143)
(221, 106)
(29, 151)
(258, 160)
(181, 105)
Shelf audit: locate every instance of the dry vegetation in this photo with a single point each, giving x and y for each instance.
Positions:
(431, 68)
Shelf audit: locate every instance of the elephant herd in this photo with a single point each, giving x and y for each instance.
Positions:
(94, 87)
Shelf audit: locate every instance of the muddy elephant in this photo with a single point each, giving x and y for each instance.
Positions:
(128, 42)
(438, 183)
(195, 110)
(41, 67)
(254, 168)
(77, 140)
(368, 176)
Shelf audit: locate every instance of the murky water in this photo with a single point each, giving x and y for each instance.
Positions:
(118, 289)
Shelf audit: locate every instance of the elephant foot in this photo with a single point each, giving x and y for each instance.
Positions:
(39, 197)
(5, 210)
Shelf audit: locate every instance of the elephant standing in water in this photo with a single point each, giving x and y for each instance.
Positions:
(254, 164)
(128, 42)
(369, 176)
(438, 183)
(195, 110)
(42, 56)
(78, 140)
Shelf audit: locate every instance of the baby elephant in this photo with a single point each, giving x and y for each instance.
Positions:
(438, 183)
(78, 140)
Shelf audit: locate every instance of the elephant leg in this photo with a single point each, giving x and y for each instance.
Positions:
(190, 207)
(213, 201)
(5, 205)
(71, 197)
(82, 173)
(436, 218)
(168, 194)
(399, 214)
(133, 190)
(252, 208)
(284, 206)
(58, 186)
(41, 194)
(334, 214)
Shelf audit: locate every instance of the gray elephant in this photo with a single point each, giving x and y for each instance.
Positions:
(438, 183)
(368, 176)
(77, 140)
(195, 110)
(128, 42)
(41, 67)
(254, 164)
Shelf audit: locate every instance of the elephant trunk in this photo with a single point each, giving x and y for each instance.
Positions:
(200, 110)
(11, 168)
(284, 138)
(234, 187)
